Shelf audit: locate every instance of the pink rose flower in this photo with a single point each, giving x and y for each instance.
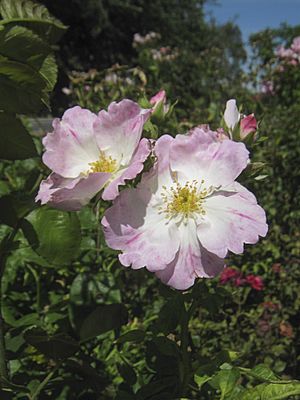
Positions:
(187, 212)
(88, 153)
(248, 125)
(255, 282)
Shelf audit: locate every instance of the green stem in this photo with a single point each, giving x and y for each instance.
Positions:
(41, 386)
(4, 251)
(38, 287)
(184, 344)
(3, 366)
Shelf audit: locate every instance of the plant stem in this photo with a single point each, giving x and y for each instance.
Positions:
(41, 386)
(4, 251)
(184, 342)
(3, 367)
(98, 232)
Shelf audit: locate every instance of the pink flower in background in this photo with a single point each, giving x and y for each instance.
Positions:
(296, 45)
(87, 153)
(291, 54)
(248, 125)
(255, 282)
(268, 88)
(187, 212)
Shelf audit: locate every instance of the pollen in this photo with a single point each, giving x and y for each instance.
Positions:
(184, 200)
(103, 164)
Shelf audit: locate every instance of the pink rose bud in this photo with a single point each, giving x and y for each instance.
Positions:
(160, 96)
(160, 108)
(248, 125)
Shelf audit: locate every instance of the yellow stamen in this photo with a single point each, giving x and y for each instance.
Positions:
(183, 200)
(103, 164)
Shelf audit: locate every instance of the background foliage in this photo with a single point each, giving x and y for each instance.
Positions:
(77, 324)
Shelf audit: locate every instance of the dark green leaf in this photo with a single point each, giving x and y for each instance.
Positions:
(104, 318)
(166, 346)
(170, 315)
(161, 389)
(57, 347)
(14, 207)
(22, 87)
(136, 335)
(29, 233)
(16, 143)
(22, 45)
(127, 373)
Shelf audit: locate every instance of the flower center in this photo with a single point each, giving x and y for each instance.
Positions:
(183, 200)
(103, 164)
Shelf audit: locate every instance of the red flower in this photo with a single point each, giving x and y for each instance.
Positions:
(229, 274)
(255, 282)
(239, 281)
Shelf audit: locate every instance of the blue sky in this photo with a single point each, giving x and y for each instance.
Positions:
(255, 15)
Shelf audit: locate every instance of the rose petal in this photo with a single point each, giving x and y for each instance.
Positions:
(191, 261)
(231, 220)
(139, 231)
(71, 146)
(70, 194)
(135, 167)
(118, 130)
(199, 156)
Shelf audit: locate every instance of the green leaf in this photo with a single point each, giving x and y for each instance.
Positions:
(14, 207)
(225, 380)
(200, 380)
(127, 373)
(13, 387)
(26, 320)
(57, 347)
(166, 346)
(16, 143)
(280, 391)
(49, 72)
(170, 315)
(104, 318)
(20, 44)
(135, 335)
(58, 233)
(32, 15)
(22, 87)
(162, 389)
(262, 373)
(269, 391)
(29, 233)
